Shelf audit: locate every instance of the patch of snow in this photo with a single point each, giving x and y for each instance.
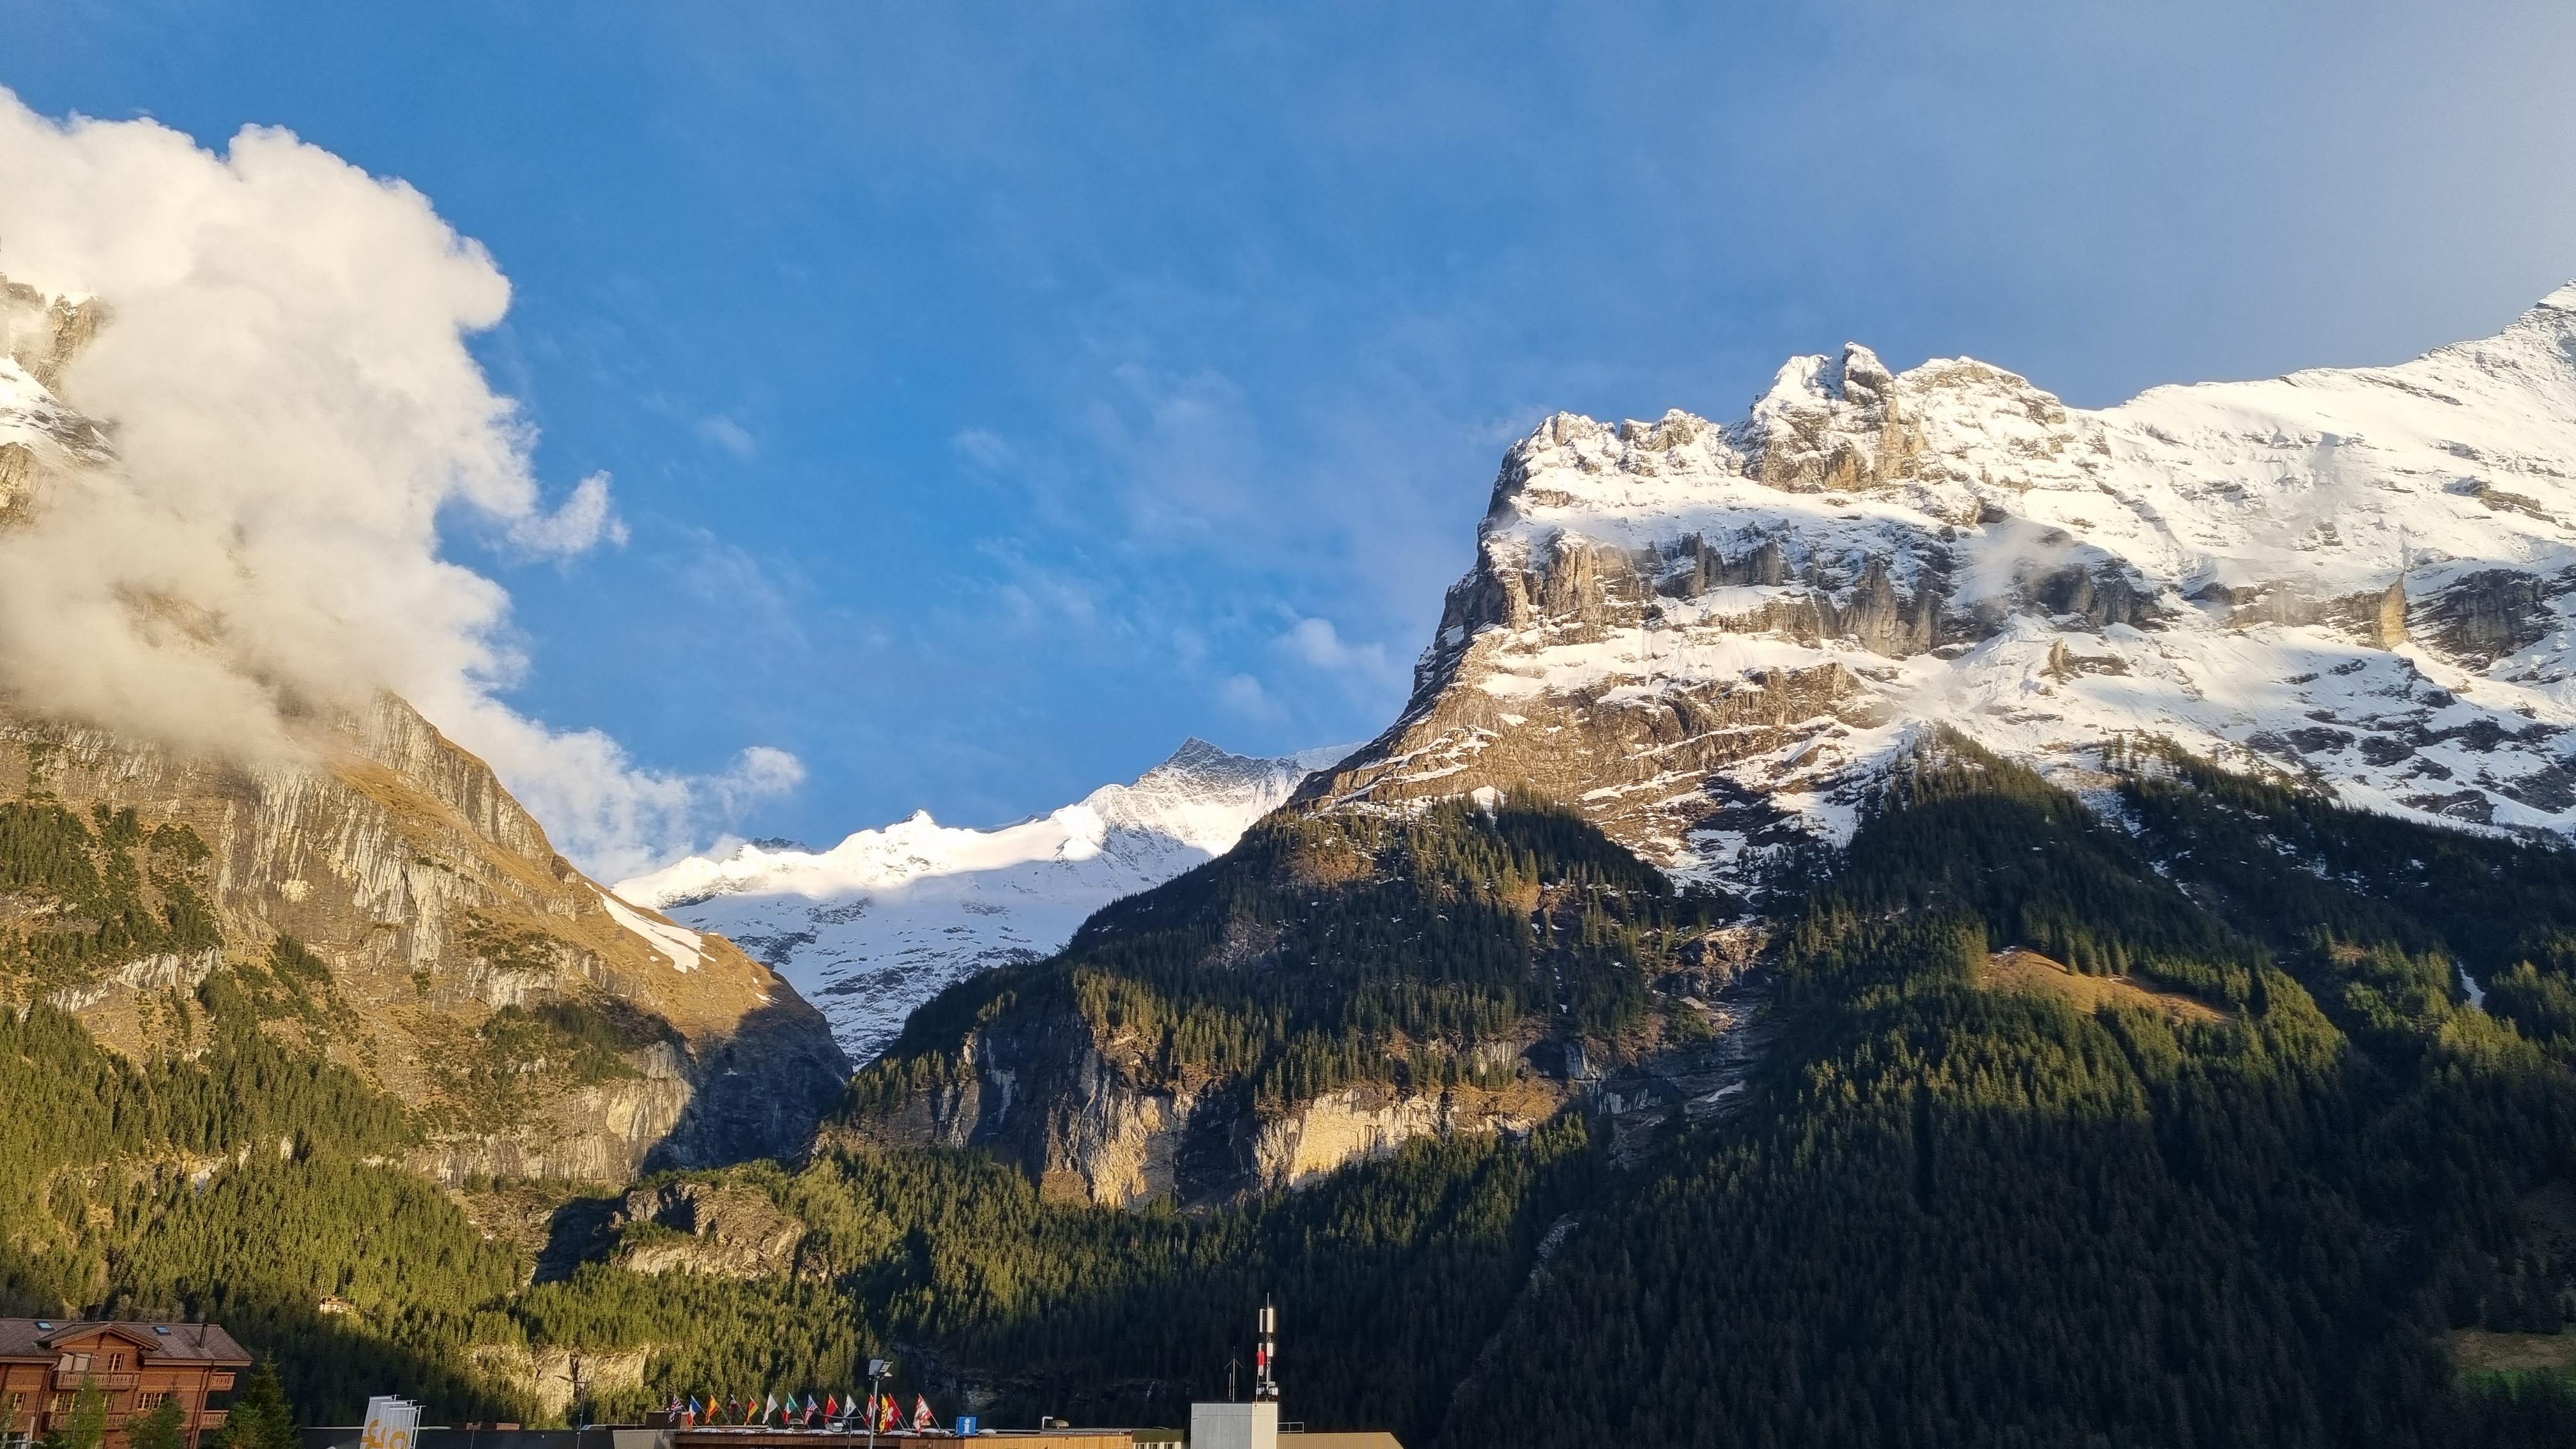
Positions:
(686, 949)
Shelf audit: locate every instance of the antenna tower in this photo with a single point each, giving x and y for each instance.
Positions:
(1265, 1357)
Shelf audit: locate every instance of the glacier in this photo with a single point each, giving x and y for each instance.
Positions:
(878, 924)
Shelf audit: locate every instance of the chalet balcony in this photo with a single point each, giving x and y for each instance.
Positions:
(211, 1418)
(70, 1380)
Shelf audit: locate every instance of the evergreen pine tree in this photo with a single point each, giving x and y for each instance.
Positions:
(165, 1427)
(261, 1417)
(88, 1426)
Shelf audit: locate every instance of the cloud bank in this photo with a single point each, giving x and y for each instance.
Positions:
(293, 415)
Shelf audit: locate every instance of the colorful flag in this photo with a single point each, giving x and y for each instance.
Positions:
(771, 1409)
(813, 1407)
(922, 1422)
(889, 1418)
(788, 1404)
(696, 1411)
(831, 1406)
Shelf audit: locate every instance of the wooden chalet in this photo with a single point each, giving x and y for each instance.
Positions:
(44, 1362)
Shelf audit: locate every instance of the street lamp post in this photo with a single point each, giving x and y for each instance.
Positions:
(877, 1370)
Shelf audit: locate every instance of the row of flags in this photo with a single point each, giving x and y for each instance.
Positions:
(829, 1412)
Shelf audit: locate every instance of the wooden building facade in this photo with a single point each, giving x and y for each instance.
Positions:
(44, 1363)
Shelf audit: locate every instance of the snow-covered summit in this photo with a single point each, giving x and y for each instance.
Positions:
(879, 923)
(1709, 633)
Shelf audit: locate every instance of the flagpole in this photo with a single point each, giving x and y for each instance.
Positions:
(876, 1375)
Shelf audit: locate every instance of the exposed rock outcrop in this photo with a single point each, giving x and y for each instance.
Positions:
(2483, 616)
(543, 1376)
(723, 1230)
(1357, 1124)
(1090, 1121)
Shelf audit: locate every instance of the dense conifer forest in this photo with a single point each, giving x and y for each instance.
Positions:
(2259, 1174)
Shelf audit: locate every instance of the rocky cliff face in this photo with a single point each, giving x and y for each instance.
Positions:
(542, 1027)
(1712, 635)
(1088, 1126)
(719, 1229)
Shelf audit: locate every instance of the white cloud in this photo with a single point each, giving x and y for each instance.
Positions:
(730, 436)
(615, 817)
(984, 448)
(293, 407)
(1244, 695)
(1321, 646)
(585, 521)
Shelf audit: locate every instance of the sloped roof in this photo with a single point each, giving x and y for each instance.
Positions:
(160, 1342)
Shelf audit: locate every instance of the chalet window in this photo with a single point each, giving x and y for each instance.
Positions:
(150, 1398)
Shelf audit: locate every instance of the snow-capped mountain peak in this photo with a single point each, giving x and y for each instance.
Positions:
(874, 926)
(1709, 634)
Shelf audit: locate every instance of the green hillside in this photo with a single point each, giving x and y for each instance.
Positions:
(2249, 1171)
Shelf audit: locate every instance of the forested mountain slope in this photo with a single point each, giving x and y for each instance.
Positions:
(2255, 1173)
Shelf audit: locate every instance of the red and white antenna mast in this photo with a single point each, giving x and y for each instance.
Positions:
(1265, 1357)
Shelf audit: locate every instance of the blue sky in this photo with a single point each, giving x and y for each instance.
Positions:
(996, 395)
